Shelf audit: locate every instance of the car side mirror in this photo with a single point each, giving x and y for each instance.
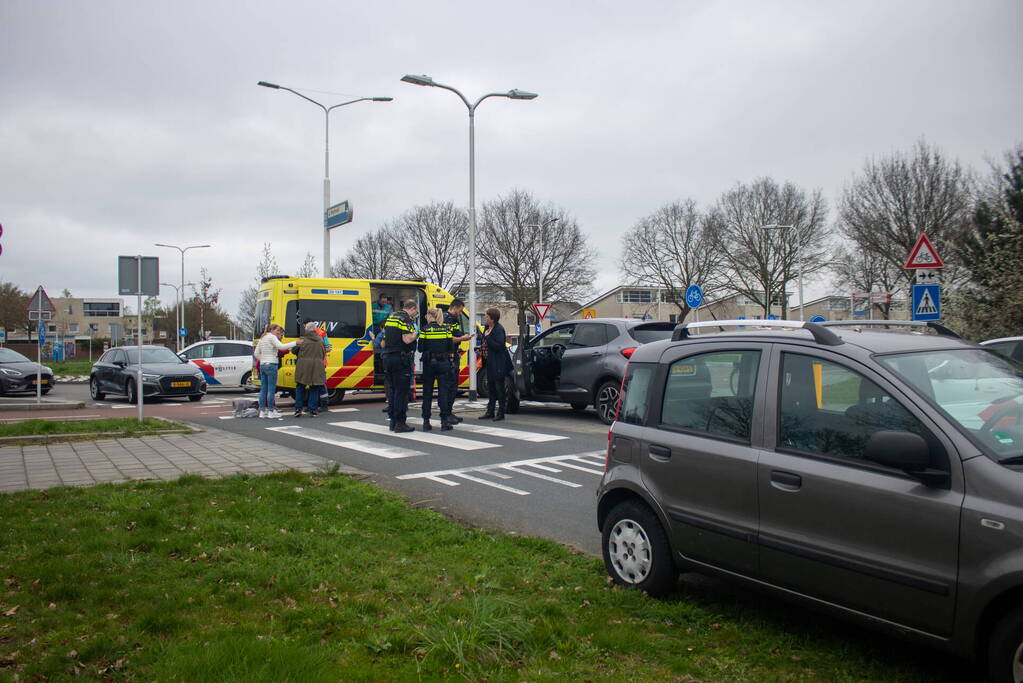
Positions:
(904, 451)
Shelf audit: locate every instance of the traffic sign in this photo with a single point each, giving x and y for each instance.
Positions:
(926, 302)
(40, 301)
(772, 316)
(42, 333)
(926, 276)
(538, 327)
(338, 215)
(924, 255)
(818, 319)
(182, 332)
(589, 313)
(694, 296)
(541, 310)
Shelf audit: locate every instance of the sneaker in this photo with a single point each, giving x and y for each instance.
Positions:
(298, 413)
(274, 415)
(262, 413)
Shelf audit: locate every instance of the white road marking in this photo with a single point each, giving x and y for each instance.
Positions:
(369, 447)
(502, 487)
(517, 470)
(518, 467)
(424, 437)
(518, 434)
(342, 410)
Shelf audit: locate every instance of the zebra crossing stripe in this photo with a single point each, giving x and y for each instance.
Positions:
(537, 475)
(368, 447)
(501, 432)
(519, 467)
(424, 437)
(478, 480)
(342, 410)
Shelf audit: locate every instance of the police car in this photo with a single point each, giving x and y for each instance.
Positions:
(224, 362)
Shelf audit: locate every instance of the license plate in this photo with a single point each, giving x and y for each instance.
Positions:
(45, 381)
(181, 384)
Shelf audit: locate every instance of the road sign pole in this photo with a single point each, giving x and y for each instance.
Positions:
(39, 356)
(138, 335)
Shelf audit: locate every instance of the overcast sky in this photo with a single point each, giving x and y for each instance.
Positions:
(133, 122)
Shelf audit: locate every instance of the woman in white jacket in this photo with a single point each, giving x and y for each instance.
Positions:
(269, 363)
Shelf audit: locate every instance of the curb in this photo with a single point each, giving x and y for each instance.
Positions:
(45, 405)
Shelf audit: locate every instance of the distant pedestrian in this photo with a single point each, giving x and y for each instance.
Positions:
(498, 364)
(435, 344)
(400, 336)
(266, 353)
(453, 319)
(310, 374)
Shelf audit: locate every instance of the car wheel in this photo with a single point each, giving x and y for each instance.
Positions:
(579, 406)
(94, 391)
(1005, 649)
(481, 383)
(129, 390)
(246, 378)
(636, 550)
(195, 398)
(335, 396)
(607, 401)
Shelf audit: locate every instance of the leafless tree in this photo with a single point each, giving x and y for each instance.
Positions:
(673, 248)
(897, 197)
(308, 268)
(370, 258)
(760, 263)
(519, 245)
(430, 243)
(247, 304)
(858, 271)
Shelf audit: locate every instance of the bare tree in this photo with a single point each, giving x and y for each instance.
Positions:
(897, 197)
(673, 248)
(861, 271)
(429, 243)
(761, 263)
(308, 268)
(518, 245)
(370, 258)
(207, 299)
(247, 305)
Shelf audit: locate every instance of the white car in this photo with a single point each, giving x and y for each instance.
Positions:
(224, 362)
(1011, 347)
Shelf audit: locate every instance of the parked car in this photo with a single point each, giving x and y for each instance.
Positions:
(1011, 347)
(224, 362)
(580, 362)
(164, 374)
(853, 471)
(18, 374)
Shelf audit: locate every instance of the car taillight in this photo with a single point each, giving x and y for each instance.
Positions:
(628, 352)
(607, 455)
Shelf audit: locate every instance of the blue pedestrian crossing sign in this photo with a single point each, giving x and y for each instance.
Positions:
(818, 319)
(182, 332)
(926, 302)
(694, 296)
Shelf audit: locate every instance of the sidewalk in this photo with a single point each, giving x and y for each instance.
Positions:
(211, 453)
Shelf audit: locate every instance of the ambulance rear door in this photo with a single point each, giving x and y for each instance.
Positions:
(344, 315)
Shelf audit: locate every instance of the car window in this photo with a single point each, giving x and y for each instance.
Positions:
(830, 409)
(651, 332)
(119, 357)
(261, 318)
(1007, 348)
(233, 350)
(635, 393)
(589, 334)
(712, 393)
(200, 351)
(557, 335)
(339, 318)
(10, 356)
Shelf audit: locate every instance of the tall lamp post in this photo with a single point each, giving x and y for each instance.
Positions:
(179, 313)
(543, 275)
(513, 94)
(799, 264)
(181, 291)
(326, 157)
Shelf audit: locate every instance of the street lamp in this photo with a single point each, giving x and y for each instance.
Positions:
(179, 312)
(541, 276)
(513, 94)
(799, 264)
(326, 157)
(181, 291)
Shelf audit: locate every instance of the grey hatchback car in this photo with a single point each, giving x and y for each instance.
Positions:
(877, 475)
(581, 362)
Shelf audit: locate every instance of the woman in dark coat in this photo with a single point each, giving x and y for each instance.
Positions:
(310, 374)
(499, 364)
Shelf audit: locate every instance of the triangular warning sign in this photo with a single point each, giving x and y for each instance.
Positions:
(924, 255)
(926, 305)
(40, 302)
(541, 310)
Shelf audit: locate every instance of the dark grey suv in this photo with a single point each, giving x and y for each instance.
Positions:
(874, 474)
(581, 362)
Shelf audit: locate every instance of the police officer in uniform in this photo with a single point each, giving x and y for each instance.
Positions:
(453, 319)
(435, 344)
(400, 337)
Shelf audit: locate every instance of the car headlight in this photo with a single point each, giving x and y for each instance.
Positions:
(198, 375)
(150, 378)
(12, 372)
(46, 369)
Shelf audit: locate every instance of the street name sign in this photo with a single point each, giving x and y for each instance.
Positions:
(926, 302)
(338, 215)
(924, 255)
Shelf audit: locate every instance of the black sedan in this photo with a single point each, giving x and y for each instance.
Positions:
(164, 374)
(18, 374)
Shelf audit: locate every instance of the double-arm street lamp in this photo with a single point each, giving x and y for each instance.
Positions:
(799, 265)
(181, 291)
(179, 312)
(513, 94)
(326, 157)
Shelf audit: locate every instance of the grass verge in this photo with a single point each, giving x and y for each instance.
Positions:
(293, 577)
(70, 367)
(114, 426)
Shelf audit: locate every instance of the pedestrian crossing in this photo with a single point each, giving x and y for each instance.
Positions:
(487, 430)
(456, 442)
(590, 462)
(369, 447)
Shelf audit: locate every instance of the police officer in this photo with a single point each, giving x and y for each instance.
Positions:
(453, 319)
(400, 337)
(435, 344)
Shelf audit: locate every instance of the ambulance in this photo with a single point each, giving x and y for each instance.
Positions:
(343, 308)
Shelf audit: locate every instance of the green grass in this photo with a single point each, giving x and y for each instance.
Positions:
(70, 367)
(293, 577)
(120, 425)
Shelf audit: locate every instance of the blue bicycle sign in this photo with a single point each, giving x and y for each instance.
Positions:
(694, 296)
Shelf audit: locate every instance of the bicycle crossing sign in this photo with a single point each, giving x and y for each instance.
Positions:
(926, 302)
(924, 255)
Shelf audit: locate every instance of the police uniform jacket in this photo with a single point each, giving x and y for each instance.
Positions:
(396, 325)
(435, 341)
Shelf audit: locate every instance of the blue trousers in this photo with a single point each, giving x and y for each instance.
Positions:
(267, 386)
(310, 395)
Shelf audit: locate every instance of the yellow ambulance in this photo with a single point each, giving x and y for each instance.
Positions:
(343, 308)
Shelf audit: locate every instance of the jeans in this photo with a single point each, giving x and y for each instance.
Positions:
(267, 386)
(310, 395)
